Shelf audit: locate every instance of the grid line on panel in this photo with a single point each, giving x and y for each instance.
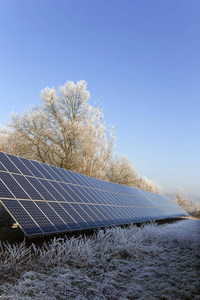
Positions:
(80, 209)
(106, 217)
(51, 189)
(91, 182)
(53, 215)
(117, 219)
(80, 220)
(69, 192)
(91, 212)
(5, 191)
(108, 198)
(83, 179)
(45, 224)
(73, 176)
(121, 213)
(41, 188)
(42, 170)
(83, 197)
(51, 171)
(60, 200)
(20, 165)
(143, 193)
(31, 167)
(2, 168)
(16, 202)
(13, 185)
(99, 211)
(96, 204)
(58, 173)
(64, 176)
(94, 195)
(117, 198)
(74, 194)
(62, 188)
(8, 164)
(107, 212)
(62, 212)
(27, 187)
(81, 213)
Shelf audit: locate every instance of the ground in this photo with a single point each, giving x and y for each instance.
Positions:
(148, 262)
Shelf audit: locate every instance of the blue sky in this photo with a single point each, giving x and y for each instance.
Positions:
(139, 58)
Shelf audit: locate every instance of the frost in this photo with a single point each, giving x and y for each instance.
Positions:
(155, 262)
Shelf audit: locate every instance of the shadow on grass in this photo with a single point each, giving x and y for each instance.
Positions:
(16, 235)
(11, 235)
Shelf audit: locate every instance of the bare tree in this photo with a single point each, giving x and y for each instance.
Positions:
(192, 207)
(149, 186)
(65, 130)
(120, 170)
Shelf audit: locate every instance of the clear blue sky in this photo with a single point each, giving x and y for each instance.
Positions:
(140, 58)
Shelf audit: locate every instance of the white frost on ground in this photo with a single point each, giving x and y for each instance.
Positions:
(148, 262)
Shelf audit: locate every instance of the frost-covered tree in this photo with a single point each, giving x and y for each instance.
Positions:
(65, 131)
(120, 170)
(3, 138)
(149, 186)
(190, 206)
(12, 142)
(180, 198)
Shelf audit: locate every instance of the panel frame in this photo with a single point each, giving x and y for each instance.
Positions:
(91, 202)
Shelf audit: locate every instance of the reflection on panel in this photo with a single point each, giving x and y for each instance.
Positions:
(44, 199)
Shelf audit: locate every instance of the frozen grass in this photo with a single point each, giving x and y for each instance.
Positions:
(148, 262)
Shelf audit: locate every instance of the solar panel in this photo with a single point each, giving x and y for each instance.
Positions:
(44, 199)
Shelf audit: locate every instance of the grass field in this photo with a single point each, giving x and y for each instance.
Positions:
(148, 262)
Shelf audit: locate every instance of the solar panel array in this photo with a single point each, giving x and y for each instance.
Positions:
(45, 199)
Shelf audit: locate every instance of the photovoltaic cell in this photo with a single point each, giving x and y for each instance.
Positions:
(58, 173)
(72, 176)
(41, 189)
(80, 209)
(72, 197)
(86, 195)
(38, 216)
(95, 216)
(80, 194)
(10, 182)
(65, 176)
(42, 170)
(77, 178)
(90, 194)
(44, 199)
(2, 168)
(53, 216)
(65, 195)
(100, 213)
(17, 162)
(118, 214)
(31, 167)
(73, 225)
(108, 213)
(19, 213)
(7, 163)
(4, 191)
(82, 180)
(30, 190)
(76, 216)
(51, 171)
(86, 180)
(51, 189)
